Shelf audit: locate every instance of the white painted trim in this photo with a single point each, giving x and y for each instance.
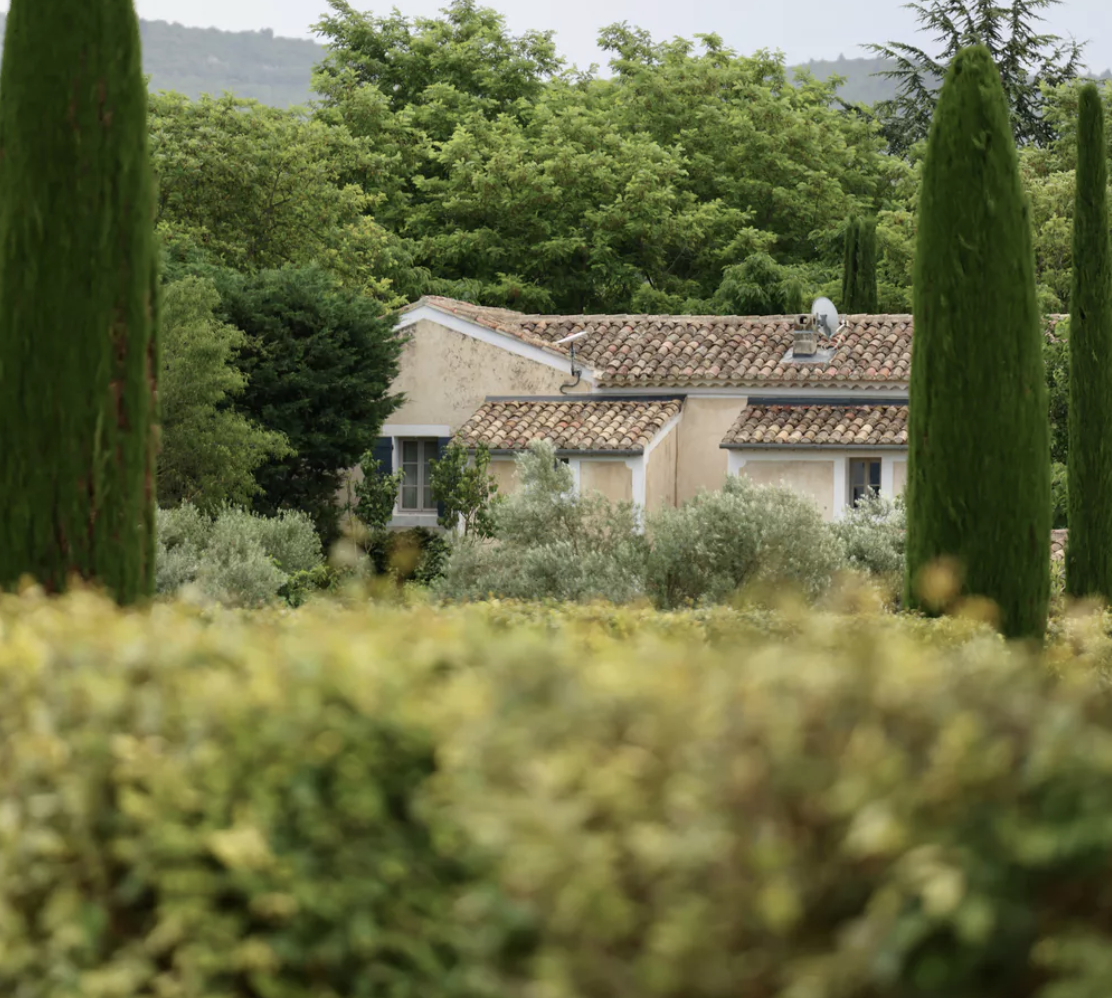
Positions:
(576, 466)
(887, 476)
(416, 430)
(663, 432)
(841, 487)
(636, 466)
(504, 341)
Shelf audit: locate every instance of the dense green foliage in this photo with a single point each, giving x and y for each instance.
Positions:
(1089, 554)
(78, 300)
(465, 490)
(1028, 60)
(319, 363)
(564, 801)
(865, 287)
(209, 451)
(978, 472)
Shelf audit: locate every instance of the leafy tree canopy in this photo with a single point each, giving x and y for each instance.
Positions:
(209, 452)
(261, 188)
(319, 363)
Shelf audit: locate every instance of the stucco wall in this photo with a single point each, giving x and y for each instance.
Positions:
(446, 376)
(899, 476)
(702, 462)
(612, 478)
(810, 478)
(660, 472)
(504, 473)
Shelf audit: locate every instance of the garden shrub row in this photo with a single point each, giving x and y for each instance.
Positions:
(507, 801)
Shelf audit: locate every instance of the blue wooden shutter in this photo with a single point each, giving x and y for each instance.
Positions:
(384, 454)
(441, 446)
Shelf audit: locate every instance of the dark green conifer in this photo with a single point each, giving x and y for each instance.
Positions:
(849, 265)
(979, 463)
(1089, 551)
(865, 290)
(78, 283)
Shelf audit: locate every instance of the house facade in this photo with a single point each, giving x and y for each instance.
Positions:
(653, 409)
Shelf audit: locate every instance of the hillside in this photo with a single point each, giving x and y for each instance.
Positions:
(254, 64)
(277, 71)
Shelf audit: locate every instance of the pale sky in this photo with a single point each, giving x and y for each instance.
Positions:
(802, 29)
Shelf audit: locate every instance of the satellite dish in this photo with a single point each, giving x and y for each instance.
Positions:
(825, 317)
(574, 336)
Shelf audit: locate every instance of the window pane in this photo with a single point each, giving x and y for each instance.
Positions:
(409, 497)
(429, 502)
(874, 475)
(410, 451)
(857, 474)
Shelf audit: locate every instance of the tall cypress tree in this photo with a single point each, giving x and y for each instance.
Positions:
(849, 267)
(979, 463)
(865, 290)
(78, 299)
(1089, 551)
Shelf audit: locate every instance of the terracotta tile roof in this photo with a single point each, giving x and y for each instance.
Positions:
(819, 426)
(677, 351)
(570, 425)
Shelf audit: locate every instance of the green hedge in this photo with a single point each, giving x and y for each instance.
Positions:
(525, 802)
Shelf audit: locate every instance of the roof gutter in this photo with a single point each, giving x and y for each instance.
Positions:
(812, 447)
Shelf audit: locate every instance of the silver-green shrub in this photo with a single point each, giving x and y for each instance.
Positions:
(236, 557)
(552, 542)
(746, 536)
(874, 533)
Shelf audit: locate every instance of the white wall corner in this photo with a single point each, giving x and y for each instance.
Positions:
(636, 466)
(662, 433)
(841, 487)
(887, 476)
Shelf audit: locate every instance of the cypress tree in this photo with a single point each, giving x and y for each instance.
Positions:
(865, 290)
(978, 435)
(1089, 550)
(78, 299)
(849, 267)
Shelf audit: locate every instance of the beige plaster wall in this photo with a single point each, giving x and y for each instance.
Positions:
(660, 472)
(701, 461)
(612, 478)
(504, 473)
(899, 476)
(810, 478)
(446, 376)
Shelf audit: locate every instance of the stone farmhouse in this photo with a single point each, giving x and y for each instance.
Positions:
(653, 409)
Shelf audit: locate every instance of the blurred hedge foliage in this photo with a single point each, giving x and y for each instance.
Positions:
(540, 802)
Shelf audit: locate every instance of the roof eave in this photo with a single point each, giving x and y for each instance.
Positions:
(831, 446)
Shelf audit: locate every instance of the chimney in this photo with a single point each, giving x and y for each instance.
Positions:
(805, 342)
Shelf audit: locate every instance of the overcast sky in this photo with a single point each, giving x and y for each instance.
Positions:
(802, 29)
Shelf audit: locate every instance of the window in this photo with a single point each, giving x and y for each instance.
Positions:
(417, 458)
(864, 478)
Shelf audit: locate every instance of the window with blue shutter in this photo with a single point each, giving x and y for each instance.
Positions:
(383, 453)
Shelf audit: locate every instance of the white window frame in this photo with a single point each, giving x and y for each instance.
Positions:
(863, 459)
(422, 466)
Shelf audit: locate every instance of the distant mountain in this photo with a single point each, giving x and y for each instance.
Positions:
(255, 64)
(278, 71)
(861, 85)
